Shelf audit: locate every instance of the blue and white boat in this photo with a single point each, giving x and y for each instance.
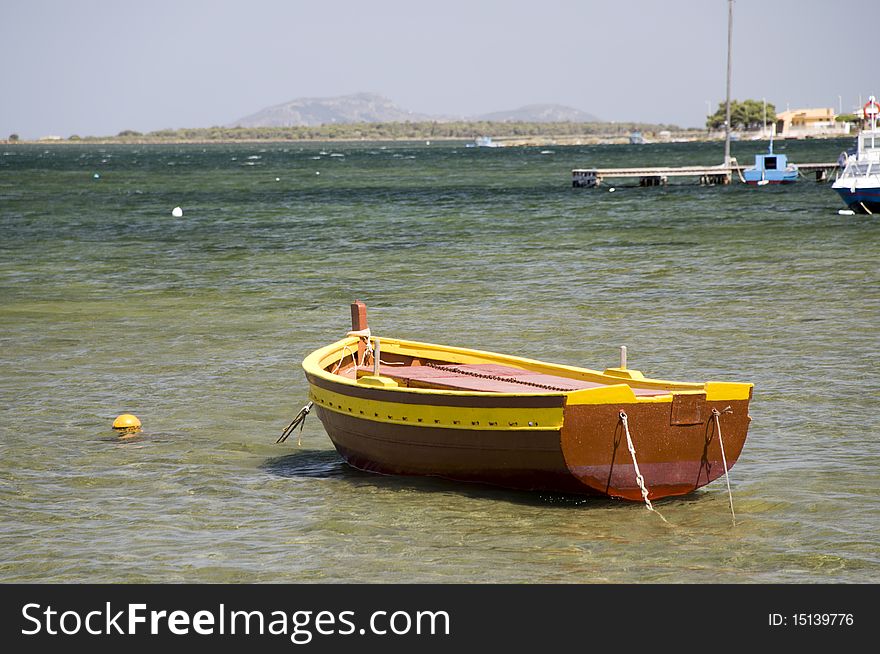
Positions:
(858, 184)
(771, 168)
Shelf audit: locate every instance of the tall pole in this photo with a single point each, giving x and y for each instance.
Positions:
(729, 63)
(764, 124)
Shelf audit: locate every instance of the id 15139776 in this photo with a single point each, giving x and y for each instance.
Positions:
(811, 620)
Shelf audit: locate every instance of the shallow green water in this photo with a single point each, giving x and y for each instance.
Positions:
(198, 325)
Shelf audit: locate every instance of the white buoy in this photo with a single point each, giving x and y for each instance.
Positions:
(277, 179)
(96, 176)
(317, 172)
(611, 190)
(846, 212)
(177, 212)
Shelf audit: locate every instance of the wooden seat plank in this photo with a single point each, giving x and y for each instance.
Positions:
(520, 381)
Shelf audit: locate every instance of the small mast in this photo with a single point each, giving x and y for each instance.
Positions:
(359, 324)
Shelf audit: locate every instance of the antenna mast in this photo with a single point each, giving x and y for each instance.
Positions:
(727, 116)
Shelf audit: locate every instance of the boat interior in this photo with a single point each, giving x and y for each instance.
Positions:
(410, 371)
(365, 359)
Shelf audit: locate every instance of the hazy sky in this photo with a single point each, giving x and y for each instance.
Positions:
(96, 67)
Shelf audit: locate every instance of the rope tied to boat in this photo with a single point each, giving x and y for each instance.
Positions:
(716, 414)
(364, 334)
(734, 162)
(351, 353)
(298, 421)
(640, 480)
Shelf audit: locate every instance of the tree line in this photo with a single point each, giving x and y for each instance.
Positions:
(385, 131)
(746, 115)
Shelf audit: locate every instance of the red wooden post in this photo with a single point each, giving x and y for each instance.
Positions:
(358, 316)
(358, 323)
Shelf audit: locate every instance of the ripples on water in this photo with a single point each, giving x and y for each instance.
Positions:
(198, 326)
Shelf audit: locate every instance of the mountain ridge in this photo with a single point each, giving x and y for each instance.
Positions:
(305, 112)
(540, 113)
(374, 108)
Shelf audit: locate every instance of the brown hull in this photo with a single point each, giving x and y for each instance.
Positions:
(499, 458)
(674, 459)
(677, 445)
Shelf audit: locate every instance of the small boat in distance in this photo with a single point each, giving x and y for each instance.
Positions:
(400, 407)
(858, 184)
(482, 142)
(771, 168)
(636, 138)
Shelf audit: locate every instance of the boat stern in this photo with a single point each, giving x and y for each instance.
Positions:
(675, 437)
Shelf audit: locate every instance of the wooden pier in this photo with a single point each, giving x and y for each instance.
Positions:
(707, 175)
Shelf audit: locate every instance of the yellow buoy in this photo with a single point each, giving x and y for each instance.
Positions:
(127, 421)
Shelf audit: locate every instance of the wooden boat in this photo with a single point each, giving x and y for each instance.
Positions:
(407, 408)
(771, 168)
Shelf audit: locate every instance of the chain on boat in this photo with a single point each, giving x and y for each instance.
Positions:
(640, 480)
(717, 415)
(481, 375)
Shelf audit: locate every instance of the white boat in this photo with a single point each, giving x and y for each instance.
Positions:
(858, 183)
(483, 142)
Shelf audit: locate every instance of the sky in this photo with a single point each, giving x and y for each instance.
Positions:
(97, 67)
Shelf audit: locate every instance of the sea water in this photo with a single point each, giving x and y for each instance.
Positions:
(198, 324)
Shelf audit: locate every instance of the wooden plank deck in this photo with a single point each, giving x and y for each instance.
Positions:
(658, 175)
(486, 378)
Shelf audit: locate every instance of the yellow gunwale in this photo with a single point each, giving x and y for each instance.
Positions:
(445, 417)
(616, 389)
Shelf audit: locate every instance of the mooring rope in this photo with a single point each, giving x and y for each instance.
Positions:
(298, 421)
(801, 174)
(345, 349)
(738, 171)
(365, 335)
(639, 479)
(717, 415)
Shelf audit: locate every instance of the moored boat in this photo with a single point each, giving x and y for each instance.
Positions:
(771, 168)
(402, 407)
(858, 184)
(482, 142)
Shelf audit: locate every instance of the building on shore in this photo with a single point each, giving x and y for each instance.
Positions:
(803, 123)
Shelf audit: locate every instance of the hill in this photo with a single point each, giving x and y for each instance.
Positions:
(374, 108)
(540, 113)
(308, 112)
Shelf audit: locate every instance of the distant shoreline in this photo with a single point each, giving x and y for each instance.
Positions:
(501, 141)
(503, 133)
